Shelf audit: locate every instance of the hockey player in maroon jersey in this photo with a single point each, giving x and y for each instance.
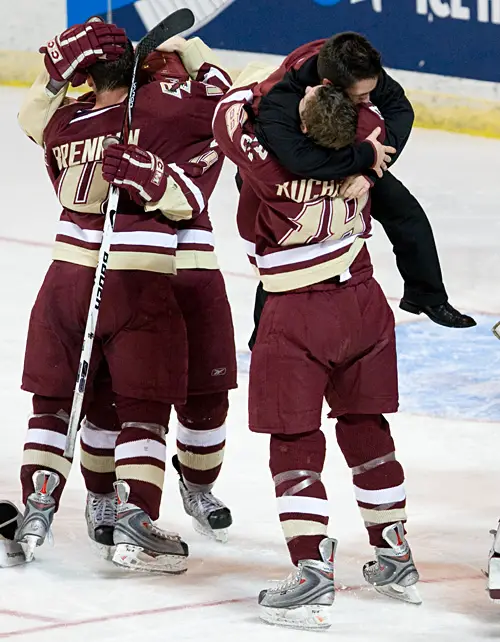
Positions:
(141, 335)
(327, 333)
(200, 291)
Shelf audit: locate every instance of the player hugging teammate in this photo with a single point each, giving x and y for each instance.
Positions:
(165, 334)
(157, 343)
(326, 332)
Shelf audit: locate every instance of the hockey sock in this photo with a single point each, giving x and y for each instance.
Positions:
(140, 451)
(378, 477)
(97, 457)
(44, 445)
(296, 463)
(201, 438)
(98, 434)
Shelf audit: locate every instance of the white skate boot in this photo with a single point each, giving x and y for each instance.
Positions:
(142, 546)
(100, 515)
(210, 516)
(393, 573)
(494, 566)
(305, 598)
(39, 513)
(11, 553)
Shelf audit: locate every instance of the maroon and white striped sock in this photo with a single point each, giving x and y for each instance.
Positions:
(296, 464)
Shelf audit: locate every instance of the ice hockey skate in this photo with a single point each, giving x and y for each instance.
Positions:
(393, 573)
(494, 566)
(210, 516)
(11, 553)
(304, 599)
(142, 546)
(100, 515)
(39, 513)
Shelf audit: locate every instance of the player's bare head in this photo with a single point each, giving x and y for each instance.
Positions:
(328, 116)
(113, 74)
(349, 61)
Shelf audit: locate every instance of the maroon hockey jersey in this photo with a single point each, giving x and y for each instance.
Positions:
(172, 120)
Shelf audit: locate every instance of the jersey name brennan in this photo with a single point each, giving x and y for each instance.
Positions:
(88, 150)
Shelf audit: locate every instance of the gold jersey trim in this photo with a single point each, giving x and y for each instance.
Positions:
(196, 260)
(145, 261)
(285, 281)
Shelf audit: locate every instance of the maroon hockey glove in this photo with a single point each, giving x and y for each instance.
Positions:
(140, 172)
(81, 46)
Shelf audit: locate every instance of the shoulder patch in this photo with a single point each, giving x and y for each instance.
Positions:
(234, 117)
(212, 90)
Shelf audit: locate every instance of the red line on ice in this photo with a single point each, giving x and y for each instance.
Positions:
(121, 616)
(29, 616)
(239, 275)
(195, 605)
(8, 239)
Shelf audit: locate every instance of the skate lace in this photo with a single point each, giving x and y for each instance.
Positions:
(165, 535)
(289, 582)
(204, 503)
(104, 509)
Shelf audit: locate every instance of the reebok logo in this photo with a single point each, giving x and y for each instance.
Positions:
(219, 372)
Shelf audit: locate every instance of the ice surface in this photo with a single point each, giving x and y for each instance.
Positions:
(449, 446)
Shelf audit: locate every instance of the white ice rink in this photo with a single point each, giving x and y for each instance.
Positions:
(449, 443)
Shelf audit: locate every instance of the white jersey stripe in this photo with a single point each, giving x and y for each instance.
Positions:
(74, 231)
(192, 187)
(153, 239)
(201, 237)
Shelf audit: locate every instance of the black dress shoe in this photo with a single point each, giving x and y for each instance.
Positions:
(443, 314)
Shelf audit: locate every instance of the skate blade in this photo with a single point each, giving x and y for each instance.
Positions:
(219, 535)
(493, 576)
(29, 544)
(103, 551)
(408, 594)
(306, 617)
(136, 558)
(11, 554)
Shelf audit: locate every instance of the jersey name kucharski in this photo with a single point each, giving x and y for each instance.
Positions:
(308, 189)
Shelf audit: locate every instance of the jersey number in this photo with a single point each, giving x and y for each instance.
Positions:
(327, 218)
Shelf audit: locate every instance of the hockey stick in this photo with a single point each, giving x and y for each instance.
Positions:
(172, 25)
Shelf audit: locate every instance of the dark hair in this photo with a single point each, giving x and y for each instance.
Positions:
(348, 57)
(112, 74)
(330, 118)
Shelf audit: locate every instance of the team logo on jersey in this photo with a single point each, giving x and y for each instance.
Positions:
(174, 87)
